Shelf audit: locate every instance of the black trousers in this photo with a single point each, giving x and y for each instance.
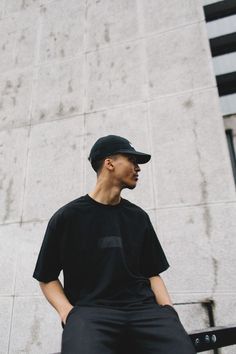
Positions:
(143, 329)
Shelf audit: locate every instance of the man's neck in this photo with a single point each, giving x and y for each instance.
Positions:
(106, 196)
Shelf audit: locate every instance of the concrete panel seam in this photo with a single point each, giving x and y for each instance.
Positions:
(195, 205)
(138, 39)
(121, 105)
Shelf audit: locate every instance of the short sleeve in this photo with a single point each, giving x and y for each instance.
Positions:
(153, 260)
(48, 265)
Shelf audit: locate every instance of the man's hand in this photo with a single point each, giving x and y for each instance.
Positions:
(65, 313)
(161, 294)
(54, 293)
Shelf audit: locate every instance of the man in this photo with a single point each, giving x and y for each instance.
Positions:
(113, 299)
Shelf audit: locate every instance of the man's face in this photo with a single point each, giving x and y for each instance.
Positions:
(126, 171)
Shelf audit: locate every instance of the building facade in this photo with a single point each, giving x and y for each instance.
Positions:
(220, 17)
(72, 71)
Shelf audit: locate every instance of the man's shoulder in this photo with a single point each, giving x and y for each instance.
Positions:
(136, 208)
(70, 207)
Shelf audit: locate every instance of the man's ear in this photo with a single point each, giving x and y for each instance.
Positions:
(108, 163)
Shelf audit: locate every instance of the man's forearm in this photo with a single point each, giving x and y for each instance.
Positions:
(160, 291)
(54, 293)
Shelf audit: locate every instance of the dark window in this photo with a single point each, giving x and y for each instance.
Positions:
(226, 83)
(229, 135)
(223, 44)
(220, 9)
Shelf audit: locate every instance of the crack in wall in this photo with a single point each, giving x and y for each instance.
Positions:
(206, 210)
(9, 200)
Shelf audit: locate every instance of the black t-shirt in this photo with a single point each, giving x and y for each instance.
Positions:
(106, 252)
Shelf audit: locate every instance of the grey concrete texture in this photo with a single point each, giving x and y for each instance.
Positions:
(54, 170)
(72, 71)
(5, 322)
(204, 237)
(198, 131)
(13, 157)
(63, 83)
(35, 328)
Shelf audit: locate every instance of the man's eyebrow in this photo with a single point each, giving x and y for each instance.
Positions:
(132, 158)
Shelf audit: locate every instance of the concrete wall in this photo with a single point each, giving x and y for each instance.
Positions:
(72, 71)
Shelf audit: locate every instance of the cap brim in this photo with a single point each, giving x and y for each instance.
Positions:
(140, 156)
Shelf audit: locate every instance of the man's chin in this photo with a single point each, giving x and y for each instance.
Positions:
(129, 186)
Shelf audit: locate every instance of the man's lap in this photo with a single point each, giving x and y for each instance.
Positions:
(149, 328)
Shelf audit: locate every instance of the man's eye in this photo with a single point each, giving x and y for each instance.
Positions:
(132, 159)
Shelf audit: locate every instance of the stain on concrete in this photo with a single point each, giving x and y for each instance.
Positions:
(73, 146)
(203, 182)
(112, 64)
(60, 109)
(207, 218)
(151, 84)
(215, 273)
(22, 38)
(23, 5)
(188, 103)
(207, 221)
(124, 78)
(127, 47)
(62, 53)
(98, 59)
(8, 200)
(91, 105)
(19, 82)
(43, 9)
(72, 109)
(70, 88)
(190, 220)
(8, 84)
(4, 46)
(1, 181)
(34, 335)
(13, 101)
(7, 88)
(42, 115)
(52, 35)
(106, 33)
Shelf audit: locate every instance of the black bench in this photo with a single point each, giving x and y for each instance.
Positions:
(210, 338)
(213, 338)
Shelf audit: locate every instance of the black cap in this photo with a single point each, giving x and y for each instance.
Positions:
(114, 144)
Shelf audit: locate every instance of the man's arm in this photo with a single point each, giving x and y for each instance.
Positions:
(54, 293)
(160, 291)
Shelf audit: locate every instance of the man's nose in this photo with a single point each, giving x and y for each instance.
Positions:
(137, 168)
